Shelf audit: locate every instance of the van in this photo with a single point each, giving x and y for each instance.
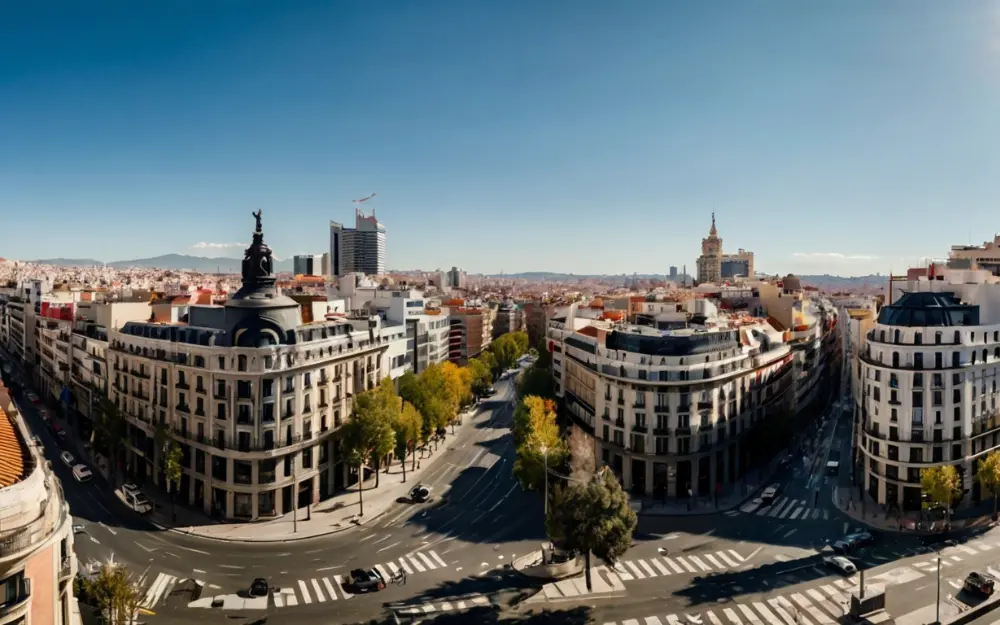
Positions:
(833, 468)
(81, 473)
(769, 494)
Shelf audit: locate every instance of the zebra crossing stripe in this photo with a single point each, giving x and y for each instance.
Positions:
(635, 570)
(673, 565)
(737, 556)
(722, 556)
(438, 558)
(714, 562)
(406, 567)
(649, 570)
(776, 508)
(329, 588)
(319, 593)
(660, 567)
(780, 609)
(712, 617)
(687, 567)
(767, 613)
(383, 572)
(416, 564)
(392, 566)
(796, 514)
(731, 615)
(427, 561)
(747, 612)
(305, 592)
(625, 575)
(653, 620)
(701, 565)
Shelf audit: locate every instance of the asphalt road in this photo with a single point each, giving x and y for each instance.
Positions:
(457, 543)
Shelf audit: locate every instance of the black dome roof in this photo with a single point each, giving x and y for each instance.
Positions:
(929, 309)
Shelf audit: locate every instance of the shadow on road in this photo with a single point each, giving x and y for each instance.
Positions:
(491, 616)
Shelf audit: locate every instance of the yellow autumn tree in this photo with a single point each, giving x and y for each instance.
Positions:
(537, 440)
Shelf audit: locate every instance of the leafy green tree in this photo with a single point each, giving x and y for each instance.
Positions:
(505, 349)
(482, 377)
(172, 467)
(941, 485)
(536, 381)
(521, 343)
(376, 410)
(989, 475)
(407, 427)
(409, 388)
(389, 407)
(115, 592)
(490, 361)
(593, 517)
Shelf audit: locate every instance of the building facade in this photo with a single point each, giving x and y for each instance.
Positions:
(253, 397)
(926, 390)
(37, 560)
(675, 413)
(714, 266)
(509, 318)
(360, 249)
(470, 332)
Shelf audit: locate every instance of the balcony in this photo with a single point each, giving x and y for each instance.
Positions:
(661, 431)
(639, 405)
(15, 604)
(640, 429)
(243, 478)
(140, 373)
(183, 408)
(661, 409)
(182, 385)
(219, 393)
(619, 423)
(705, 405)
(683, 431)
(266, 477)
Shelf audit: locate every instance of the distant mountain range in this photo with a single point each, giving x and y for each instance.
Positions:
(824, 282)
(175, 262)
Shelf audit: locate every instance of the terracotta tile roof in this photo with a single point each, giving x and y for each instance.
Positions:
(11, 453)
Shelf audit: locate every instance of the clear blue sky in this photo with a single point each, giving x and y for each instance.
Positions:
(564, 135)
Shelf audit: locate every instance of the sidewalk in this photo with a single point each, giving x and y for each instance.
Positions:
(867, 511)
(336, 514)
(736, 495)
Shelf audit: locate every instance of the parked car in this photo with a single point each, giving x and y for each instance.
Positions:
(490, 392)
(842, 547)
(860, 538)
(67, 459)
(978, 584)
(365, 580)
(129, 487)
(136, 501)
(841, 563)
(33, 398)
(81, 473)
(769, 494)
(259, 587)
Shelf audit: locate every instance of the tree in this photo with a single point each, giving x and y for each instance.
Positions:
(369, 433)
(537, 441)
(441, 391)
(536, 381)
(388, 408)
(490, 361)
(482, 376)
(521, 343)
(989, 476)
(109, 431)
(356, 455)
(407, 427)
(115, 592)
(593, 517)
(941, 485)
(505, 350)
(172, 468)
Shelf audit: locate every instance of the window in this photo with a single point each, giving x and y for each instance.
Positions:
(268, 388)
(958, 337)
(241, 362)
(956, 359)
(937, 338)
(895, 359)
(222, 363)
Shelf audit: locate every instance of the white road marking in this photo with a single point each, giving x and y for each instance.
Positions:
(204, 553)
(198, 571)
(789, 533)
(231, 566)
(329, 588)
(319, 593)
(304, 591)
(437, 558)
(113, 532)
(387, 547)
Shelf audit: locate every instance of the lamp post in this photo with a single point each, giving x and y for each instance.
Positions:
(937, 604)
(545, 460)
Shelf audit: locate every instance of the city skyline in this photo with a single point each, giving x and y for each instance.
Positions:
(537, 123)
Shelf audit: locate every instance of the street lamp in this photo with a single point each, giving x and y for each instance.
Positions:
(545, 460)
(937, 604)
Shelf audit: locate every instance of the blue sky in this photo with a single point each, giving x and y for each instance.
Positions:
(568, 135)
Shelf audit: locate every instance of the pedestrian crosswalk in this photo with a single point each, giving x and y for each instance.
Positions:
(787, 508)
(456, 604)
(824, 605)
(658, 566)
(161, 586)
(322, 589)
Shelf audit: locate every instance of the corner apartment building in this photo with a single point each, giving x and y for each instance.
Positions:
(253, 395)
(37, 560)
(471, 331)
(927, 390)
(678, 410)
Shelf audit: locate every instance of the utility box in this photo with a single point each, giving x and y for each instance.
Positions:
(873, 601)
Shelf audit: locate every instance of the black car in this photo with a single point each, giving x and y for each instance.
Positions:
(362, 580)
(420, 494)
(978, 584)
(259, 587)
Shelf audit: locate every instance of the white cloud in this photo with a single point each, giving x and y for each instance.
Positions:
(834, 256)
(202, 245)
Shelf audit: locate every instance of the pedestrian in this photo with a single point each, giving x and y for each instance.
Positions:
(404, 577)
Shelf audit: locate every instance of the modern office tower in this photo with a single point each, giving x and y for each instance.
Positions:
(308, 264)
(357, 250)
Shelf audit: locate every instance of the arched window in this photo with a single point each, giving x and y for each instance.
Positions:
(937, 337)
(918, 338)
(896, 338)
(895, 360)
(241, 362)
(958, 337)
(984, 355)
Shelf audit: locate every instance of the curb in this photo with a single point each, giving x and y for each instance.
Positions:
(736, 505)
(968, 523)
(273, 541)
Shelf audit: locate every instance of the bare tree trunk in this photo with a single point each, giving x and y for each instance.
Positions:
(413, 462)
(586, 569)
(378, 465)
(402, 461)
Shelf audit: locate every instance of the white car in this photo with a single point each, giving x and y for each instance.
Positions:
(840, 563)
(81, 473)
(67, 458)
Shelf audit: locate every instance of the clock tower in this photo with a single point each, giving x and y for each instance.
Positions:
(710, 261)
